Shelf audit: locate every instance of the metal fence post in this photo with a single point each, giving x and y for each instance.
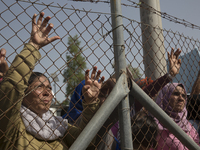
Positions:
(120, 66)
(152, 39)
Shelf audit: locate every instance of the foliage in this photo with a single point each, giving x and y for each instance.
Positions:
(74, 73)
(135, 72)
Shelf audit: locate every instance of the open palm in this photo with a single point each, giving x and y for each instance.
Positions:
(92, 86)
(174, 62)
(39, 33)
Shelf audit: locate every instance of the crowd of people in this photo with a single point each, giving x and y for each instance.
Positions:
(26, 96)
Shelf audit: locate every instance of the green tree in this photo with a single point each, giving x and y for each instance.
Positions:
(74, 73)
(135, 72)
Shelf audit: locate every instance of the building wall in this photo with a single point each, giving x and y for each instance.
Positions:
(189, 69)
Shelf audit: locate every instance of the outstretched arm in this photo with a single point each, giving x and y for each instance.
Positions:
(174, 67)
(13, 86)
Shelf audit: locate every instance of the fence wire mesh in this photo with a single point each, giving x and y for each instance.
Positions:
(86, 41)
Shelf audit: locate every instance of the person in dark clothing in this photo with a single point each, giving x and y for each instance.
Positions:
(193, 105)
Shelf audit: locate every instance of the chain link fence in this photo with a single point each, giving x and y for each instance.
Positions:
(90, 33)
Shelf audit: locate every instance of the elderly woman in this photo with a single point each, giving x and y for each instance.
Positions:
(172, 99)
(25, 98)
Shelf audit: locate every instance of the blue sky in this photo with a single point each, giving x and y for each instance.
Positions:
(103, 56)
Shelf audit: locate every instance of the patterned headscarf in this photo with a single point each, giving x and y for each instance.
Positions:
(163, 101)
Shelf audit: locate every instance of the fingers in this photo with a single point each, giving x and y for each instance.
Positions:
(40, 18)
(98, 74)
(46, 32)
(40, 31)
(3, 63)
(95, 75)
(1, 74)
(92, 86)
(34, 26)
(179, 61)
(102, 79)
(45, 22)
(34, 20)
(48, 29)
(85, 88)
(177, 53)
(172, 52)
(39, 22)
(53, 38)
(94, 72)
(168, 55)
(87, 75)
(2, 53)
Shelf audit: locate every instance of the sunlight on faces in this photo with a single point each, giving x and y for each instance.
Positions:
(39, 100)
(178, 99)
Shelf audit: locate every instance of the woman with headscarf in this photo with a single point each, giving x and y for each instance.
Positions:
(173, 99)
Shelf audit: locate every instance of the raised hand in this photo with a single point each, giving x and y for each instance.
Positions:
(3, 63)
(39, 33)
(174, 62)
(92, 86)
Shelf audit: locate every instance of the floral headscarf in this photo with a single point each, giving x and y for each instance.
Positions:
(163, 101)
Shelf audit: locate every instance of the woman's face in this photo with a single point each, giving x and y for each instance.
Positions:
(177, 99)
(39, 100)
